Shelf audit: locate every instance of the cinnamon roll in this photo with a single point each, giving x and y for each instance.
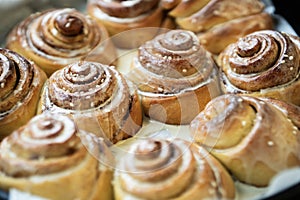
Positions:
(219, 22)
(98, 98)
(57, 37)
(175, 77)
(46, 158)
(20, 82)
(254, 138)
(264, 64)
(131, 23)
(163, 169)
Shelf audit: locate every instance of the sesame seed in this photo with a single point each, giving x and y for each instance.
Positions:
(295, 132)
(216, 12)
(291, 68)
(160, 89)
(72, 104)
(213, 183)
(291, 57)
(259, 117)
(68, 25)
(270, 143)
(184, 70)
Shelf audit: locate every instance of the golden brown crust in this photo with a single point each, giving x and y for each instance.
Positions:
(185, 8)
(264, 64)
(98, 98)
(289, 109)
(163, 169)
(129, 29)
(175, 76)
(21, 82)
(217, 12)
(219, 37)
(212, 19)
(46, 155)
(57, 37)
(253, 138)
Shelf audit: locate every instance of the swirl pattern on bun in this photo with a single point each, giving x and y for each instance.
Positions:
(20, 82)
(130, 23)
(219, 23)
(254, 138)
(98, 98)
(175, 76)
(163, 169)
(44, 156)
(57, 37)
(264, 63)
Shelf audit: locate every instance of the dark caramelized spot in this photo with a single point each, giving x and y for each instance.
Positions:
(69, 25)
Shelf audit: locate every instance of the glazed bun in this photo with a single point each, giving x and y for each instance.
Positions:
(254, 138)
(175, 77)
(46, 158)
(97, 96)
(219, 23)
(57, 37)
(263, 64)
(21, 82)
(164, 169)
(130, 23)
